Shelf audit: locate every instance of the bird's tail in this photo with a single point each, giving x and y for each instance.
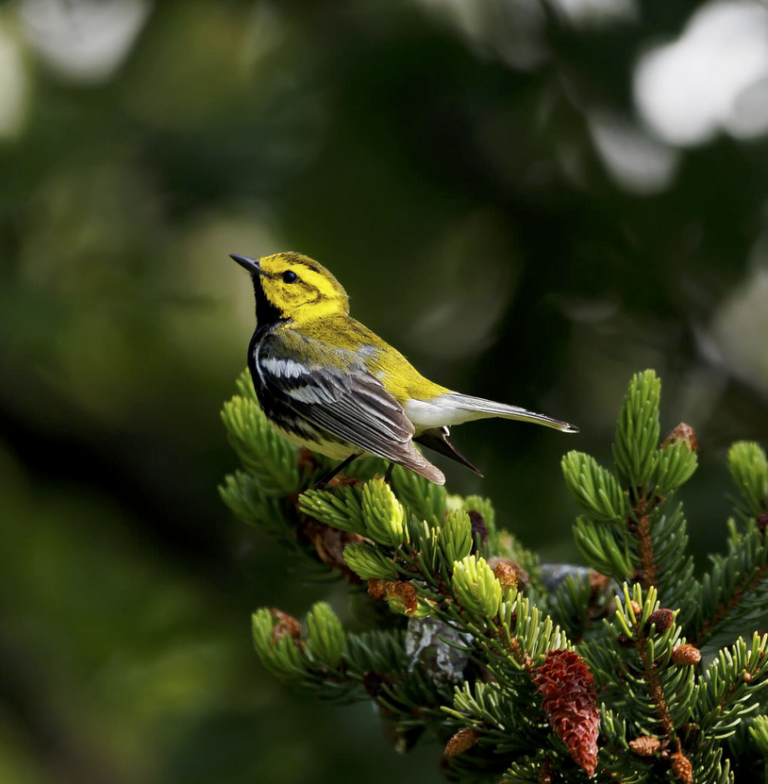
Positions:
(469, 408)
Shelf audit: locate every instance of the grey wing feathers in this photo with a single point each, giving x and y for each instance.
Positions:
(362, 413)
(351, 405)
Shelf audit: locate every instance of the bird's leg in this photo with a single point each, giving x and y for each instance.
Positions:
(388, 475)
(323, 480)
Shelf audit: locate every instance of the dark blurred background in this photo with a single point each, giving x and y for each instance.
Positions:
(533, 199)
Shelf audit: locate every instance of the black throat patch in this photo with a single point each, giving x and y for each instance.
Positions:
(267, 314)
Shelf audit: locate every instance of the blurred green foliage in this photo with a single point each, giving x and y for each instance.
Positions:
(445, 160)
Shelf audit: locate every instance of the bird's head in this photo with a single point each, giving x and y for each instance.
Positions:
(293, 287)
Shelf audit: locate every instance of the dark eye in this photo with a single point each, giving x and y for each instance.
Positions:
(289, 277)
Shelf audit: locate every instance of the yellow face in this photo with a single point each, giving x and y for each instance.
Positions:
(295, 287)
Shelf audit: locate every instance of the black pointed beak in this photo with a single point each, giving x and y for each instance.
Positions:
(252, 265)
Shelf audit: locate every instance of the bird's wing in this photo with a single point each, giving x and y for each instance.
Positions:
(344, 399)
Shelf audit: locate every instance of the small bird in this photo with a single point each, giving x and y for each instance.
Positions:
(325, 381)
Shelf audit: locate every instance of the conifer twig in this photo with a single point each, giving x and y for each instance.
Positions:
(655, 688)
(726, 607)
(642, 529)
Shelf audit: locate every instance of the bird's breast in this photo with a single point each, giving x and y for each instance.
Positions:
(426, 414)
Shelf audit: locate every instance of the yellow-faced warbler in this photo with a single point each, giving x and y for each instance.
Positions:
(327, 382)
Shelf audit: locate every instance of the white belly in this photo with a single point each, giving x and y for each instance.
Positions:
(443, 411)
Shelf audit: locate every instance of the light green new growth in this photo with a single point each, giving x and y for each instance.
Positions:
(476, 586)
(342, 509)
(658, 675)
(455, 536)
(749, 468)
(369, 563)
(326, 635)
(383, 514)
(278, 653)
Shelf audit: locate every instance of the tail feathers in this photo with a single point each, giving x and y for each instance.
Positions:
(470, 408)
(437, 440)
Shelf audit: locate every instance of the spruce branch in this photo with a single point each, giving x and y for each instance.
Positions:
(630, 528)
(651, 637)
(736, 588)
(526, 672)
(731, 685)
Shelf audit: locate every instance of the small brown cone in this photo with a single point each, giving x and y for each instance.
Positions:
(520, 573)
(402, 592)
(405, 593)
(682, 434)
(378, 588)
(644, 746)
(686, 655)
(285, 626)
(505, 573)
(662, 618)
(545, 772)
(461, 741)
(329, 544)
(682, 768)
